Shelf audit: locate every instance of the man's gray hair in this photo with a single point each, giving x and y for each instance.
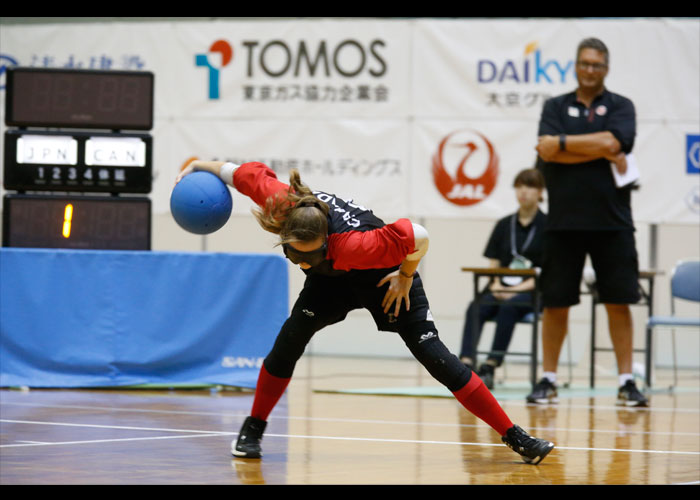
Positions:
(596, 44)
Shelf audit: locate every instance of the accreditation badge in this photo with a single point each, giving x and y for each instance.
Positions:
(518, 262)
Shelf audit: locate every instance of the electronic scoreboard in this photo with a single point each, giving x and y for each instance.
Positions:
(77, 145)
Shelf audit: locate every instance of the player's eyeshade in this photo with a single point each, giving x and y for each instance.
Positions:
(312, 258)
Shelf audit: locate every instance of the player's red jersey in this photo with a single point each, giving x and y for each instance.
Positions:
(357, 239)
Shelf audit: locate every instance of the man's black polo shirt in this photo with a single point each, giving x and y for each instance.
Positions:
(583, 196)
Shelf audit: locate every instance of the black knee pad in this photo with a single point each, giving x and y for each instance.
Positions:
(289, 346)
(444, 366)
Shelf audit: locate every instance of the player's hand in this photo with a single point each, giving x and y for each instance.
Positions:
(399, 288)
(186, 169)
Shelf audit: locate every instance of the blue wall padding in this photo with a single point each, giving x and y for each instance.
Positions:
(116, 318)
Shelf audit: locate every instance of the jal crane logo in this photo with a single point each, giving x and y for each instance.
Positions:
(465, 167)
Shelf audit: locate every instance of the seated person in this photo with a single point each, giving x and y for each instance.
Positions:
(516, 242)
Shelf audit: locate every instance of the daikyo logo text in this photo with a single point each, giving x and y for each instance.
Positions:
(531, 69)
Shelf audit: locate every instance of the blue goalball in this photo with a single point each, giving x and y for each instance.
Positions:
(201, 203)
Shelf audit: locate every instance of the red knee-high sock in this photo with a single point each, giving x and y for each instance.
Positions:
(476, 398)
(267, 393)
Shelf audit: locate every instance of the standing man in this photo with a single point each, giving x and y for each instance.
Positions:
(581, 135)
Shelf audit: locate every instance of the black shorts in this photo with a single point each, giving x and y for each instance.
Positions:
(326, 300)
(613, 257)
(329, 299)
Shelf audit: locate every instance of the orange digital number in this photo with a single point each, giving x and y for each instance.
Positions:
(67, 219)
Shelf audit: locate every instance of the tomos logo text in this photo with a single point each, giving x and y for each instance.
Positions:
(531, 69)
(347, 58)
(460, 152)
(278, 58)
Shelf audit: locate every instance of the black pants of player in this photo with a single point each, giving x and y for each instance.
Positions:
(326, 300)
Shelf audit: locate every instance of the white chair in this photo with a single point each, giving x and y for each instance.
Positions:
(685, 285)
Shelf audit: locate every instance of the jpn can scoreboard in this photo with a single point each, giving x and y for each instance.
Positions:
(77, 161)
(78, 143)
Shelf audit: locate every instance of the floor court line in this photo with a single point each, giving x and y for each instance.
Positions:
(563, 407)
(650, 409)
(99, 426)
(203, 433)
(101, 441)
(377, 421)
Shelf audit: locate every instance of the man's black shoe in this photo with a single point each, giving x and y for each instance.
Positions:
(544, 392)
(629, 395)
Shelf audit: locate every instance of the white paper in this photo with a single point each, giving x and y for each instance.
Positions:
(631, 175)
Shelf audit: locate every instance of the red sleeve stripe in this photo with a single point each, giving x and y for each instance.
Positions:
(258, 182)
(375, 249)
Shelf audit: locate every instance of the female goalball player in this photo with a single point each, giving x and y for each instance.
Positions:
(352, 260)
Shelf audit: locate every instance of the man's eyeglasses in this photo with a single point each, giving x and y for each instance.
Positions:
(594, 66)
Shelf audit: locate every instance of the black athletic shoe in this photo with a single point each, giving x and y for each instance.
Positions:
(248, 443)
(532, 449)
(487, 374)
(629, 395)
(543, 393)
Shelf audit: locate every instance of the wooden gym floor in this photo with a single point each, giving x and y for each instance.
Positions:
(319, 434)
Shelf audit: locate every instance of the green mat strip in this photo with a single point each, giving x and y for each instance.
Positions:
(505, 392)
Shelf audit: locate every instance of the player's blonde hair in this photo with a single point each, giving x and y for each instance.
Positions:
(296, 216)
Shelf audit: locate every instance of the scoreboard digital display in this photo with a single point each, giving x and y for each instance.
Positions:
(71, 98)
(76, 222)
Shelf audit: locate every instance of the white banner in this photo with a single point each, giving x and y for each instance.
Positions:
(493, 76)
(386, 110)
(289, 69)
(503, 69)
(364, 160)
(477, 163)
